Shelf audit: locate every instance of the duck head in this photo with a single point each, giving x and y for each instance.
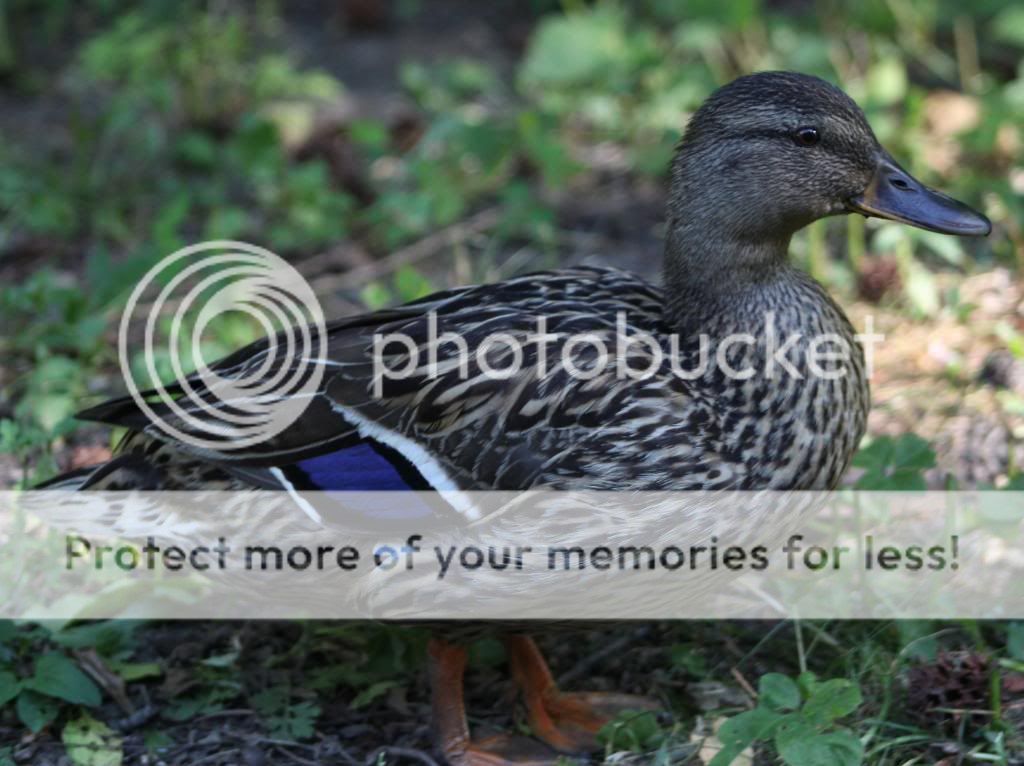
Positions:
(771, 152)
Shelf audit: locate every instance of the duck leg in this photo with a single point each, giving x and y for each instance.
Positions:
(567, 721)
(447, 663)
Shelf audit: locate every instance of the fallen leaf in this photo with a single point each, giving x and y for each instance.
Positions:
(92, 743)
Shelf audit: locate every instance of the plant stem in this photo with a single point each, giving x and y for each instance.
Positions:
(816, 251)
(855, 245)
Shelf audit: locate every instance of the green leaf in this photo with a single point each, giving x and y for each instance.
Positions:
(1008, 25)
(107, 637)
(225, 660)
(872, 480)
(8, 630)
(876, 456)
(156, 741)
(543, 144)
(9, 687)
(740, 731)
(895, 464)
(948, 248)
(847, 750)
(376, 296)
(271, 701)
(921, 289)
(411, 285)
(136, 671)
(227, 223)
(688, 658)
(831, 700)
(791, 731)
(35, 710)
(89, 742)
(197, 149)
(917, 638)
(632, 730)
(887, 81)
(57, 676)
(902, 481)
(837, 749)
(911, 451)
(209, 700)
(778, 692)
(1015, 640)
(294, 722)
(808, 682)
(576, 49)
(727, 755)
(372, 692)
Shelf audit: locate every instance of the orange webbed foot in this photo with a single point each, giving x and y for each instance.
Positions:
(447, 667)
(567, 721)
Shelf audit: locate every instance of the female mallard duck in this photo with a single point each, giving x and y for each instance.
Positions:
(765, 156)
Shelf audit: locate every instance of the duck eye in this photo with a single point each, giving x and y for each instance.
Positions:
(807, 136)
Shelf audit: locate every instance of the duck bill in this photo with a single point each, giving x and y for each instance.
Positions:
(895, 194)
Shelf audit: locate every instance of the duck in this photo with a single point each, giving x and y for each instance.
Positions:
(763, 157)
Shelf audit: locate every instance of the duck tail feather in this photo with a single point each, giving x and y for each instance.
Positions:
(123, 411)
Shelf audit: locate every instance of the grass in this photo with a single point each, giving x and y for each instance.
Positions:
(789, 690)
(136, 129)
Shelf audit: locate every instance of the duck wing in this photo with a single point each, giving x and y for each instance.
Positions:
(556, 415)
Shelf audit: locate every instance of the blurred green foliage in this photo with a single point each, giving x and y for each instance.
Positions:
(798, 717)
(892, 465)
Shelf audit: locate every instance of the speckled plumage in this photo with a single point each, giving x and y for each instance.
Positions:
(763, 157)
(726, 270)
(606, 432)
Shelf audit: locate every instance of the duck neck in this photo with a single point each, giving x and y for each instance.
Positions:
(712, 283)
